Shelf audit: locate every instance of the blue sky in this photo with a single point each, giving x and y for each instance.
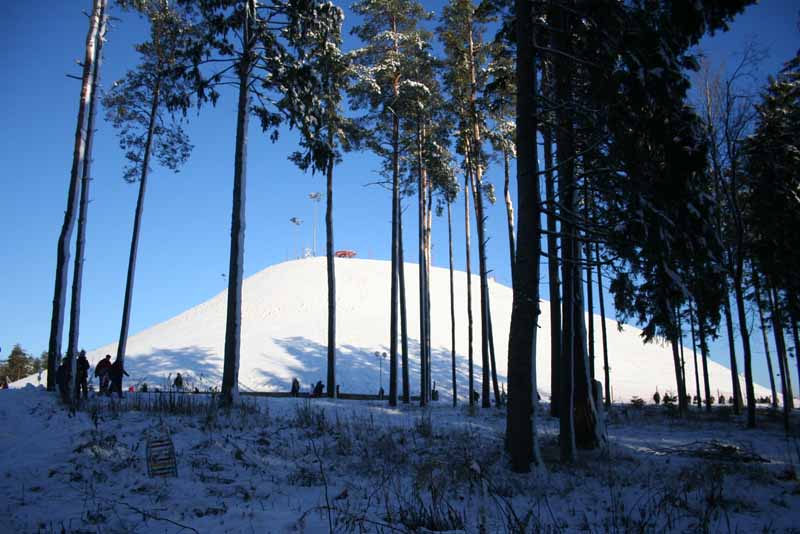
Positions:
(185, 237)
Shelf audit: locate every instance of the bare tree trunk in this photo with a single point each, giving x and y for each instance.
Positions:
(452, 303)
(745, 336)
(331, 268)
(423, 360)
(469, 288)
(737, 387)
(704, 352)
(509, 208)
(86, 180)
(780, 348)
(401, 278)
(589, 296)
(696, 368)
(759, 304)
(395, 266)
(606, 368)
(552, 264)
(137, 222)
(65, 237)
(521, 413)
(428, 256)
(233, 322)
(497, 400)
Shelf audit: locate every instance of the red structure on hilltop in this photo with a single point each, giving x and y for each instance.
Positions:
(345, 253)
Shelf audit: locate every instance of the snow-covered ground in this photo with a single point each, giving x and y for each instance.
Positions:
(300, 465)
(284, 335)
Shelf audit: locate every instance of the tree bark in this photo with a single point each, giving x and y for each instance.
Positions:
(233, 322)
(521, 412)
(83, 214)
(745, 336)
(696, 367)
(780, 349)
(737, 387)
(589, 295)
(469, 289)
(137, 222)
(704, 351)
(552, 264)
(423, 359)
(759, 304)
(331, 268)
(65, 237)
(401, 278)
(452, 304)
(606, 368)
(509, 208)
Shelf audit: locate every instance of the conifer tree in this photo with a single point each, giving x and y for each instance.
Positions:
(145, 108)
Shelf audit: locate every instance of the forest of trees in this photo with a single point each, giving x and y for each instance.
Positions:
(682, 203)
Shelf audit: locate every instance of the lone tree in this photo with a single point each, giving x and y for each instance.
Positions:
(142, 107)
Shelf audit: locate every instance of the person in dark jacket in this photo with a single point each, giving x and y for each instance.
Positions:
(101, 371)
(178, 382)
(83, 376)
(295, 387)
(115, 375)
(318, 389)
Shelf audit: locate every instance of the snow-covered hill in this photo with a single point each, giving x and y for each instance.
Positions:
(284, 317)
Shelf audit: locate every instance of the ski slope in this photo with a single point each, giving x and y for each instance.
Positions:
(284, 332)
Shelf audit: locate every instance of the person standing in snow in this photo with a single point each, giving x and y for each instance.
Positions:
(295, 387)
(178, 382)
(82, 386)
(318, 389)
(101, 371)
(115, 374)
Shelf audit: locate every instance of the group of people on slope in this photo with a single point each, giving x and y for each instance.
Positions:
(110, 376)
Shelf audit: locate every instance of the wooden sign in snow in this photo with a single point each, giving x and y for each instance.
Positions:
(161, 457)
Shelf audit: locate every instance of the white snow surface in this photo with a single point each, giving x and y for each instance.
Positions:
(284, 335)
(318, 465)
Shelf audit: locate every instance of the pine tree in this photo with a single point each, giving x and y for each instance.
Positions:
(241, 43)
(64, 238)
(383, 78)
(145, 108)
(322, 76)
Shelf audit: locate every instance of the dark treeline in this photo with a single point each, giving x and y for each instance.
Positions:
(684, 209)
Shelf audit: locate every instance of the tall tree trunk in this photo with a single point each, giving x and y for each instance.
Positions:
(589, 295)
(509, 207)
(552, 263)
(780, 349)
(780, 341)
(759, 304)
(566, 189)
(401, 278)
(423, 359)
(452, 303)
(331, 268)
(796, 348)
(606, 369)
(469, 289)
(696, 367)
(83, 214)
(137, 222)
(497, 400)
(737, 387)
(480, 220)
(233, 322)
(428, 256)
(701, 330)
(395, 266)
(745, 336)
(521, 413)
(676, 359)
(65, 237)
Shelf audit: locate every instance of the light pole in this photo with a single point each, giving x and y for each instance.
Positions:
(315, 198)
(381, 356)
(297, 222)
